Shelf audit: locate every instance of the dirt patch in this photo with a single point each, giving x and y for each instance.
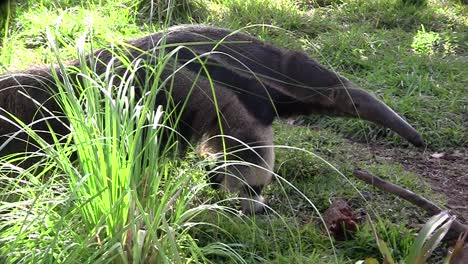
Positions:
(446, 172)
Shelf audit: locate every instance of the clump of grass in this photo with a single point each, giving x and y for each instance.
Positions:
(425, 42)
(428, 239)
(124, 198)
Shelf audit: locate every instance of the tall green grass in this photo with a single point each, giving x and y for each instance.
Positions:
(125, 198)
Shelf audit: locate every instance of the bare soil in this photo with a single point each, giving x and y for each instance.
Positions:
(445, 172)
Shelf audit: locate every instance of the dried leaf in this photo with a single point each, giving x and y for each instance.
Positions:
(438, 155)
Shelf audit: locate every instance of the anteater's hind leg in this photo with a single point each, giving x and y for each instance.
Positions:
(249, 157)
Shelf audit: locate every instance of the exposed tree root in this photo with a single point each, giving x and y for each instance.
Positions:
(455, 230)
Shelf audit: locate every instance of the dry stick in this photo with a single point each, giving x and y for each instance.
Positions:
(411, 197)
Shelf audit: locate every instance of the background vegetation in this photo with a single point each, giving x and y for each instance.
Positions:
(411, 54)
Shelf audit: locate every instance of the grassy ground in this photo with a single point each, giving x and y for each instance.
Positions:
(412, 57)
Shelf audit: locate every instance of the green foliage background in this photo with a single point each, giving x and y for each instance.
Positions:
(410, 54)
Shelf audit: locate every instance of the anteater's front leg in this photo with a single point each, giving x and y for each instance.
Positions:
(249, 161)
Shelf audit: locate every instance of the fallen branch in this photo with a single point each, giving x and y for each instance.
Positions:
(455, 230)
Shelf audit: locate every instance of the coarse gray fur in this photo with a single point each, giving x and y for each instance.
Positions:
(255, 82)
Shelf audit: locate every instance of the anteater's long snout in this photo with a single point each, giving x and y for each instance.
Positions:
(360, 104)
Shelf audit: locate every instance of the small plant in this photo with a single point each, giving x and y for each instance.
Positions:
(425, 42)
(426, 242)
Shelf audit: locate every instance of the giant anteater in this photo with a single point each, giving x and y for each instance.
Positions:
(254, 82)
